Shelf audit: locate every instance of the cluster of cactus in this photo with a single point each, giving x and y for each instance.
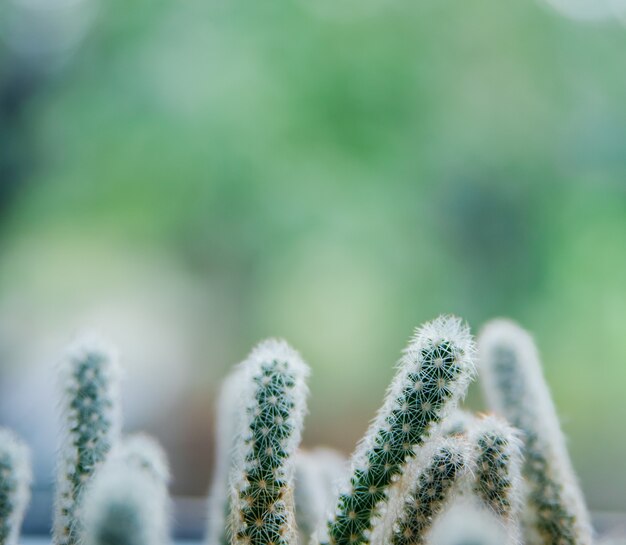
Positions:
(424, 466)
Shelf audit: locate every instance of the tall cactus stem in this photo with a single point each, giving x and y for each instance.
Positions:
(262, 477)
(91, 422)
(514, 387)
(432, 376)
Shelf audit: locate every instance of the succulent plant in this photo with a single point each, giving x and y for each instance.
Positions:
(91, 422)
(497, 464)
(262, 476)
(515, 388)
(432, 376)
(431, 482)
(15, 480)
(126, 503)
(318, 473)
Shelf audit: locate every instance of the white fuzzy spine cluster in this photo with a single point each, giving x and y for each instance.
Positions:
(15, 481)
(515, 387)
(497, 460)
(127, 501)
(230, 407)
(90, 427)
(291, 373)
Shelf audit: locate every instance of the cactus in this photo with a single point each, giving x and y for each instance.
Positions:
(428, 486)
(515, 387)
(497, 468)
(262, 476)
(433, 374)
(91, 426)
(15, 480)
(229, 414)
(318, 473)
(466, 522)
(126, 503)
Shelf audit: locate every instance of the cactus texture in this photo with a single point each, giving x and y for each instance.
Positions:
(497, 469)
(458, 422)
(230, 406)
(126, 503)
(318, 473)
(15, 480)
(433, 374)
(427, 488)
(90, 426)
(262, 477)
(515, 387)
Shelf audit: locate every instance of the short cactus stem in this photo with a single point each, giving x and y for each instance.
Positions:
(497, 468)
(262, 477)
(126, 503)
(230, 406)
(15, 481)
(90, 427)
(429, 486)
(432, 376)
(515, 388)
(318, 473)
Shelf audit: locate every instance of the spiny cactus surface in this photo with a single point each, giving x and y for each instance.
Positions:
(127, 503)
(90, 425)
(433, 374)
(15, 480)
(263, 467)
(515, 387)
(425, 493)
(497, 468)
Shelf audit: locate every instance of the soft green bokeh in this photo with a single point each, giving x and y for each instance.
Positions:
(334, 173)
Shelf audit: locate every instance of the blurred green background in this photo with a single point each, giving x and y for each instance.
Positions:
(190, 177)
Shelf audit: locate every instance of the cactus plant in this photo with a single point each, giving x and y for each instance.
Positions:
(318, 473)
(497, 465)
(429, 485)
(126, 503)
(433, 375)
(515, 387)
(229, 413)
(91, 426)
(15, 480)
(262, 476)
(466, 522)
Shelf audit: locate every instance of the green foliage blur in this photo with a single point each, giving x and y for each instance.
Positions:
(334, 172)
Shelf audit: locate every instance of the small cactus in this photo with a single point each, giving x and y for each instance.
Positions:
(126, 503)
(515, 387)
(433, 375)
(459, 422)
(497, 469)
(230, 407)
(466, 522)
(429, 485)
(90, 426)
(15, 480)
(262, 477)
(318, 473)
